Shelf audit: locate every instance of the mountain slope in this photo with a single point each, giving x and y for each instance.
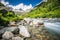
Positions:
(49, 9)
(1, 4)
(6, 15)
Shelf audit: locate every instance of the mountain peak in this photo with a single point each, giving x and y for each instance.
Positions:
(45, 0)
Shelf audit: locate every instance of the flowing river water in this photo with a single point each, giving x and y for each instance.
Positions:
(53, 27)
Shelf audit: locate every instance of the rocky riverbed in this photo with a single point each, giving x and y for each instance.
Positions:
(27, 29)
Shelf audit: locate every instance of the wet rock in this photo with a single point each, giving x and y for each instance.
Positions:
(23, 31)
(14, 30)
(40, 33)
(17, 38)
(27, 20)
(3, 30)
(11, 29)
(12, 23)
(1, 27)
(36, 22)
(5, 39)
(7, 35)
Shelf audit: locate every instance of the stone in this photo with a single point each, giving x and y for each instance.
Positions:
(17, 38)
(3, 30)
(14, 30)
(12, 23)
(36, 22)
(5, 39)
(11, 29)
(27, 20)
(23, 31)
(7, 35)
(1, 27)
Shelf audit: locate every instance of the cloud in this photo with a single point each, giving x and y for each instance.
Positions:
(21, 6)
(3, 2)
(18, 7)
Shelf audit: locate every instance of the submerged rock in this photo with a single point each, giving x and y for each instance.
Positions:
(40, 33)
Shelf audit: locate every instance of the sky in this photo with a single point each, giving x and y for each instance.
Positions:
(26, 2)
(21, 4)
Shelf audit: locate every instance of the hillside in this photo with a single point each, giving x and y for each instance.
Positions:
(6, 15)
(49, 9)
(1, 4)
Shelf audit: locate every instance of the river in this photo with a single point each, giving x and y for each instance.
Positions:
(53, 27)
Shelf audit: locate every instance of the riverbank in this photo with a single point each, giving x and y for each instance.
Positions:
(28, 29)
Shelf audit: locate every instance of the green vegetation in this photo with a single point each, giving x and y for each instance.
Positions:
(49, 9)
(7, 16)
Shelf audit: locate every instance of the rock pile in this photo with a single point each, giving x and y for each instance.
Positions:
(14, 33)
(27, 29)
(32, 22)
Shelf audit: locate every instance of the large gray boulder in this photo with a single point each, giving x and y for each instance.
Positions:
(3, 30)
(14, 30)
(23, 31)
(10, 29)
(7, 35)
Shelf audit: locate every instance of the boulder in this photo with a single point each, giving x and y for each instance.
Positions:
(27, 20)
(12, 23)
(3, 30)
(23, 31)
(36, 22)
(17, 38)
(10, 29)
(1, 27)
(14, 30)
(7, 35)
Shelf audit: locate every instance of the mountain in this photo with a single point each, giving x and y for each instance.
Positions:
(6, 15)
(1, 4)
(45, 9)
